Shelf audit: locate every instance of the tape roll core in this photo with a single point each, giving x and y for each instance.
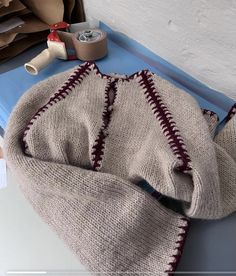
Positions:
(90, 44)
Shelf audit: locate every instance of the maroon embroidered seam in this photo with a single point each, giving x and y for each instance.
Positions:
(98, 148)
(61, 94)
(179, 246)
(210, 113)
(231, 113)
(105, 76)
(165, 118)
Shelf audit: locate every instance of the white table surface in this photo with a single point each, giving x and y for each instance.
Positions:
(26, 242)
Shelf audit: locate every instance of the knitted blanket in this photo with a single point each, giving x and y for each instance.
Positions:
(80, 143)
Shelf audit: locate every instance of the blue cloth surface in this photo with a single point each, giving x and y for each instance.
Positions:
(125, 56)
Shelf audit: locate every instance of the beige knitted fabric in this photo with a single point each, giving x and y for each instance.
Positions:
(80, 147)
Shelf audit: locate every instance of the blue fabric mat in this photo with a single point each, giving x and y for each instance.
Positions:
(125, 57)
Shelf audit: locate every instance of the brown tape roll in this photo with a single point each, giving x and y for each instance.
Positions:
(90, 44)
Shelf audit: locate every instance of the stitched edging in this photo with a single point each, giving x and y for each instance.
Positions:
(166, 120)
(105, 76)
(76, 78)
(210, 113)
(98, 148)
(231, 113)
(179, 247)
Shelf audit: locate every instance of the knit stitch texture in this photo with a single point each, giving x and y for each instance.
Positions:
(81, 141)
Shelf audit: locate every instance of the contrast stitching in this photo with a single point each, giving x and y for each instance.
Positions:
(122, 79)
(76, 78)
(231, 113)
(166, 120)
(210, 113)
(98, 148)
(179, 247)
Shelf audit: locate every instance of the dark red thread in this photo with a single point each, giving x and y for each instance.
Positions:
(122, 78)
(231, 113)
(76, 78)
(165, 118)
(210, 113)
(179, 247)
(98, 148)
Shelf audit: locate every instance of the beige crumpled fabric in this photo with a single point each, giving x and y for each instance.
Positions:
(80, 142)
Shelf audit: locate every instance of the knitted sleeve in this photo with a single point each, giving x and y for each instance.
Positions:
(225, 144)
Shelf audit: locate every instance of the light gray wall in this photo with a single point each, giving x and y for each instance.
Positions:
(198, 36)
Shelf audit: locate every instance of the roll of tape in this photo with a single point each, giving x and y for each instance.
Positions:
(90, 44)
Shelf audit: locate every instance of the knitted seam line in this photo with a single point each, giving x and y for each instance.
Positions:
(166, 120)
(98, 148)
